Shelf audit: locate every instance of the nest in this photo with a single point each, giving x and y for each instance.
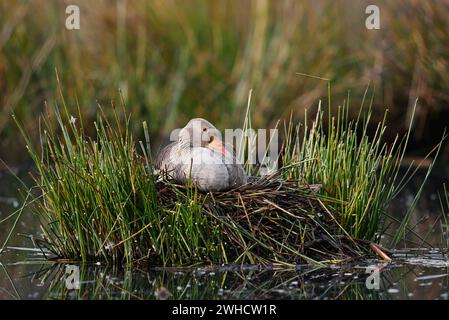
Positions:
(270, 220)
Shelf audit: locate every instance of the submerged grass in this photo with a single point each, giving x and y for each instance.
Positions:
(100, 197)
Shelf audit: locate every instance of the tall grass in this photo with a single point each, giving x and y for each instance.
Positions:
(360, 174)
(100, 198)
(100, 201)
(173, 62)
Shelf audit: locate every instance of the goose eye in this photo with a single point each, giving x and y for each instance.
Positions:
(204, 129)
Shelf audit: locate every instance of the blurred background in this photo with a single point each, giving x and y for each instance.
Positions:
(174, 60)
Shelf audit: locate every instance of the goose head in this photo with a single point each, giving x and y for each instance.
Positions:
(201, 133)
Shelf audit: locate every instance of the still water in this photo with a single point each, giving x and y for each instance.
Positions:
(414, 273)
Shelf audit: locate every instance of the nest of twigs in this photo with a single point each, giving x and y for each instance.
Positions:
(273, 220)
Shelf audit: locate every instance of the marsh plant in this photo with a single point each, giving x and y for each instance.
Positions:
(100, 199)
(177, 60)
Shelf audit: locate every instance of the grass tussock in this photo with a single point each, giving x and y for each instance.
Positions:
(359, 173)
(100, 198)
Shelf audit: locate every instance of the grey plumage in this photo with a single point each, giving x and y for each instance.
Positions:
(163, 155)
(200, 155)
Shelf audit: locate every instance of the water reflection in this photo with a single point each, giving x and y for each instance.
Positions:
(404, 279)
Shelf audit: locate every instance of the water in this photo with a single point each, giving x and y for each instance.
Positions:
(406, 278)
(413, 274)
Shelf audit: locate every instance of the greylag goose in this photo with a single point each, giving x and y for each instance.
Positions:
(201, 156)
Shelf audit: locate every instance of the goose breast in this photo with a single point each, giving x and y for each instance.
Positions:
(206, 168)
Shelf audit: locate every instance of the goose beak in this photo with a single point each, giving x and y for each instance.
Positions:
(217, 145)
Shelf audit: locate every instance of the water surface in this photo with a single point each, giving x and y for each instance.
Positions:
(414, 273)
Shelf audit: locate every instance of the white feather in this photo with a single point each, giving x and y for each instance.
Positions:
(206, 168)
